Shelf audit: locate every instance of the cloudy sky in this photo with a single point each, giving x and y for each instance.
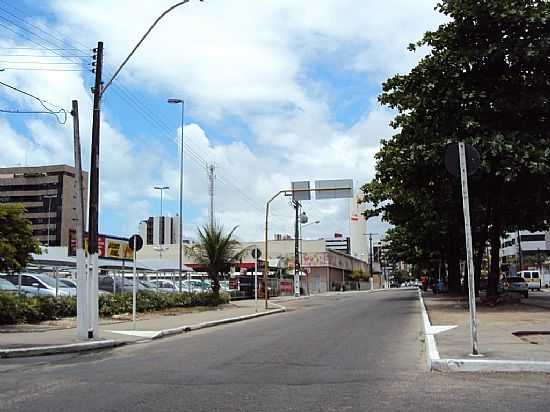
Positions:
(275, 91)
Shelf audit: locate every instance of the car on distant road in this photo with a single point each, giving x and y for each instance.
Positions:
(515, 284)
(440, 287)
(533, 279)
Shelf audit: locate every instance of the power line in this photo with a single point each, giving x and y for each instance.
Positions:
(36, 62)
(44, 69)
(57, 56)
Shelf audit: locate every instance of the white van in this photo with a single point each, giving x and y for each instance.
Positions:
(533, 279)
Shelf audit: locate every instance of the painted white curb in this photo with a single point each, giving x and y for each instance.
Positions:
(435, 363)
(57, 349)
(202, 325)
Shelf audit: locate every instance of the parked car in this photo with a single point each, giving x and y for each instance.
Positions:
(71, 283)
(163, 285)
(7, 286)
(40, 285)
(515, 284)
(533, 279)
(106, 283)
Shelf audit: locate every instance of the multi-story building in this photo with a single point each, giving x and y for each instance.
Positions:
(48, 194)
(529, 248)
(160, 230)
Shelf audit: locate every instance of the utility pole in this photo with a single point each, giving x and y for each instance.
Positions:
(296, 249)
(371, 253)
(82, 313)
(93, 217)
(211, 179)
(520, 257)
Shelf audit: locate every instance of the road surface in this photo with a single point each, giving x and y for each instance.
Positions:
(354, 352)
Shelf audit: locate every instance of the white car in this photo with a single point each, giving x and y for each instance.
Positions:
(40, 285)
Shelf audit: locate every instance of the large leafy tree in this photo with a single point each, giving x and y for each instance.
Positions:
(486, 80)
(216, 249)
(16, 241)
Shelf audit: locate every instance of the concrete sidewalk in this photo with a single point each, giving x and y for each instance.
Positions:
(506, 332)
(122, 332)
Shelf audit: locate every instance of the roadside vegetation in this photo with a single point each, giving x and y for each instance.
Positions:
(31, 309)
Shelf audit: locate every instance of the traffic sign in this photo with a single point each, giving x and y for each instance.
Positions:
(256, 253)
(452, 162)
(136, 240)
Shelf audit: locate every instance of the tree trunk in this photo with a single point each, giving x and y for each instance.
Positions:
(494, 272)
(215, 284)
(453, 266)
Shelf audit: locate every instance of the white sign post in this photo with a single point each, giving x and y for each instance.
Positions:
(469, 249)
(134, 291)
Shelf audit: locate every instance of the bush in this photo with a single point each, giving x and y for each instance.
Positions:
(29, 309)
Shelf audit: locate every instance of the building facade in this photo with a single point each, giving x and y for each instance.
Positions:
(520, 251)
(323, 269)
(160, 230)
(48, 194)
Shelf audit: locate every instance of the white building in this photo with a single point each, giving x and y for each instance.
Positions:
(533, 246)
(358, 229)
(160, 230)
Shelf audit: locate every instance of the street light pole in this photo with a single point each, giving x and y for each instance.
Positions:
(49, 197)
(180, 240)
(302, 227)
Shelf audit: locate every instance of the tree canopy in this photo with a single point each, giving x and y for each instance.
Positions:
(485, 81)
(16, 241)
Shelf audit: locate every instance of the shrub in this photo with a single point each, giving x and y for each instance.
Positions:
(28, 309)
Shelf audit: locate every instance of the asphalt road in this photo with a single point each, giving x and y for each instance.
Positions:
(356, 352)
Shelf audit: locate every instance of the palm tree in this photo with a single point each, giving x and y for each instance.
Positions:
(216, 250)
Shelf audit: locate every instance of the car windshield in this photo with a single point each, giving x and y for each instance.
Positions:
(527, 275)
(6, 285)
(515, 280)
(48, 280)
(66, 283)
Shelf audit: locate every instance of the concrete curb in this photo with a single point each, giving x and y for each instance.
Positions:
(212, 323)
(435, 363)
(58, 349)
(107, 344)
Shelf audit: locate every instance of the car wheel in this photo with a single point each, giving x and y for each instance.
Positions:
(526, 295)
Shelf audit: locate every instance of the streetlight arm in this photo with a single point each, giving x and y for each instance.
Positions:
(141, 41)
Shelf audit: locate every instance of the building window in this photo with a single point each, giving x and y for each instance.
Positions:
(532, 238)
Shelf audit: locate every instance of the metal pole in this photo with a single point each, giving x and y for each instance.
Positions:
(49, 219)
(256, 280)
(296, 251)
(134, 289)
(469, 249)
(180, 257)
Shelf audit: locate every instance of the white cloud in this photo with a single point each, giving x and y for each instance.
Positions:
(250, 60)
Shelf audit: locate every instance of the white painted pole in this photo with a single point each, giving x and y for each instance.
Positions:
(256, 280)
(134, 289)
(82, 313)
(93, 262)
(469, 249)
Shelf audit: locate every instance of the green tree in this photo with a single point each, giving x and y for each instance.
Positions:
(216, 250)
(485, 80)
(16, 241)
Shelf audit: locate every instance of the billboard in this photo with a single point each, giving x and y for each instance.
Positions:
(109, 247)
(334, 189)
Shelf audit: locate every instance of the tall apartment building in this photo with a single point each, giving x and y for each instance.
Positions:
(48, 194)
(160, 230)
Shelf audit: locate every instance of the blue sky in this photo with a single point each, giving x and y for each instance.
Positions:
(275, 92)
